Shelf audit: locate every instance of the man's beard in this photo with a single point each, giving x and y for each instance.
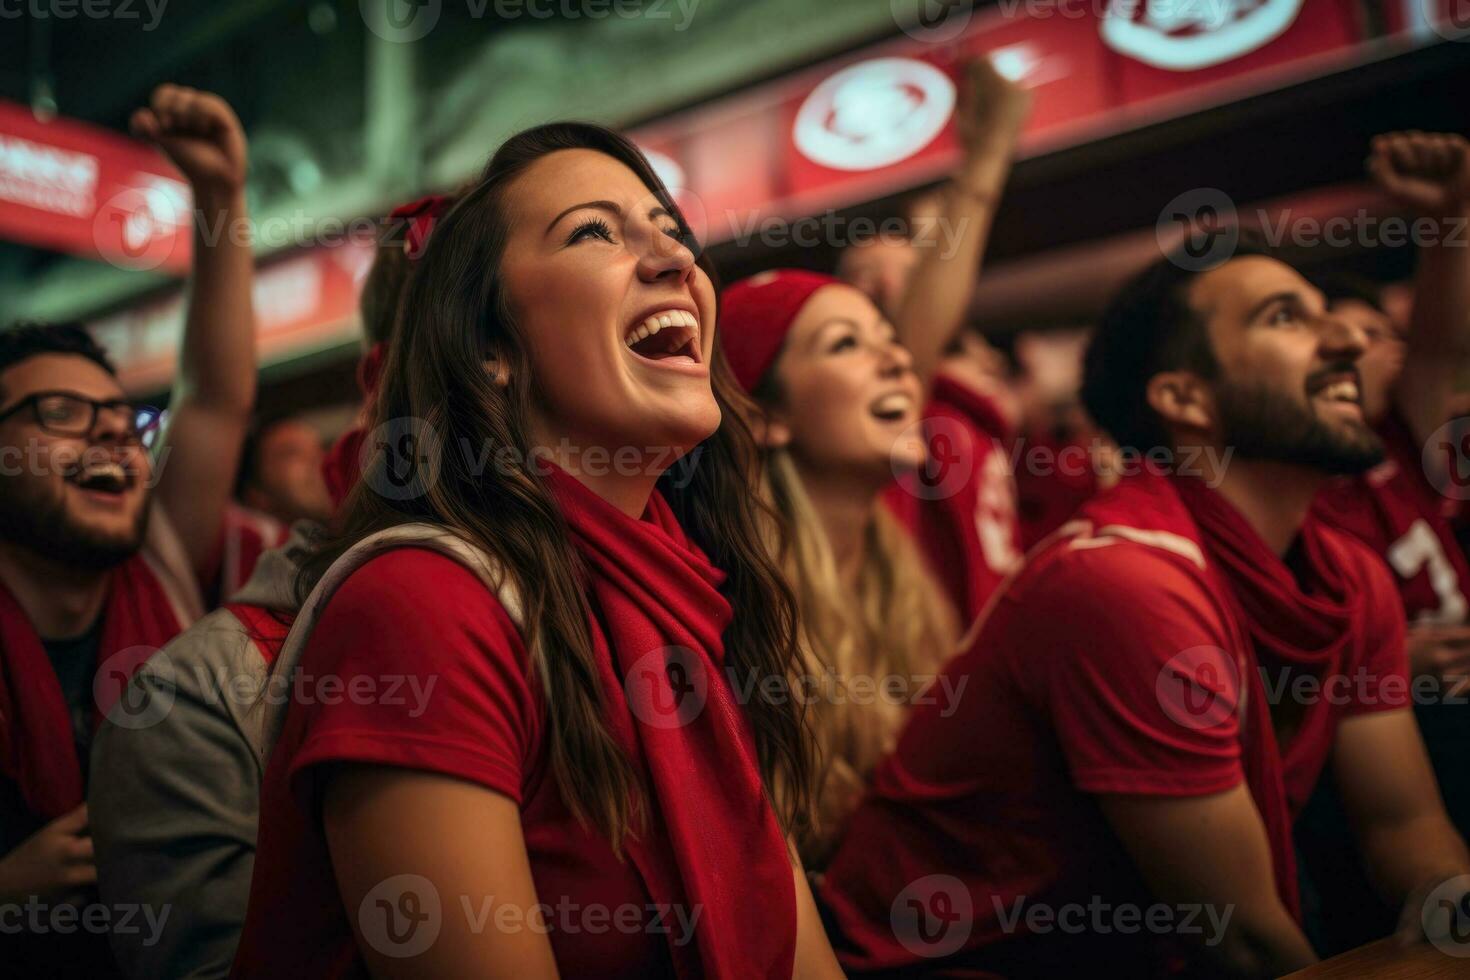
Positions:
(1265, 423)
(38, 521)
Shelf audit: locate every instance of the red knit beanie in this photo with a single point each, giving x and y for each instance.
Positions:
(755, 315)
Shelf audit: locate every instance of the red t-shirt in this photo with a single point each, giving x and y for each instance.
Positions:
(422, 616)
(245, 535)
(1061, 701)
(1395, 510)
(961, 508)
(1054, 476)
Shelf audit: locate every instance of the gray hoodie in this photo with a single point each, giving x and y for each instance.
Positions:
(175, 789)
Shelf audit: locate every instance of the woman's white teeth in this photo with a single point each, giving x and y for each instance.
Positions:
(655, 323)
(896, 403)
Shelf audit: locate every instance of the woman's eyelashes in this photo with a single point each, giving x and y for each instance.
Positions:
(598, 228)
(591, 228)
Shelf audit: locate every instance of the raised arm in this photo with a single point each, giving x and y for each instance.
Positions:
(950, 239)
(215, 388)
(1389, 791)
(1213, 851)
(1429, 174)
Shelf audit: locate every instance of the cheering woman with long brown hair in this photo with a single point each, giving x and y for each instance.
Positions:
(556, 555)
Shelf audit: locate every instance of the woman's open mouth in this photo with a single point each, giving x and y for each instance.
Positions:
(896, 406)
(669, 337)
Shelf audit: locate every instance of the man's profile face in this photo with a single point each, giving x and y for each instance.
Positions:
(1289, 385)
(1382, 361)
(80, 499)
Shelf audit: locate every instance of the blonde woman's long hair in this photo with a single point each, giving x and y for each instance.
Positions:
(897, 623)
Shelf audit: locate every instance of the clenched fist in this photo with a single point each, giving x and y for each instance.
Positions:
(201, 135)
(992, 109)
(1429, 173)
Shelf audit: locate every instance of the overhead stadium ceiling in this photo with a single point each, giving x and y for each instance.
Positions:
(344, 120)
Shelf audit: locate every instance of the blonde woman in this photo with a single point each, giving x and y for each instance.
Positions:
(887, 574)
(838, 408)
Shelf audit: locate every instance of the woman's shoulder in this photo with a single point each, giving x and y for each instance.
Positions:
(418, 592)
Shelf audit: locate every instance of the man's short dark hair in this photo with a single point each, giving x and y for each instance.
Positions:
(26, 340)
(1148, 328)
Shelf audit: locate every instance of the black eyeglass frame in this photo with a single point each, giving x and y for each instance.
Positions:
(134, 409)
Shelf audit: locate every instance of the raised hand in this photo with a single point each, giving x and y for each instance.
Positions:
(201, 135)
(1428, 173)
(990, 114)
(1441, 652)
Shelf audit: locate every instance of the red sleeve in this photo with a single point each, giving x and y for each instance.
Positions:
(1381, 656)
(1130, 652)
(426, 671)
(961, 507)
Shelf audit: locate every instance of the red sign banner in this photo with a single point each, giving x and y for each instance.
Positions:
(865, 125)
(303, 302)
(880, 120)
(72, 187)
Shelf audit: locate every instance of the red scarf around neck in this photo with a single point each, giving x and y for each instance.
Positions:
(1276, 620)
(37, 749)
(658, 616)
(1288, 624)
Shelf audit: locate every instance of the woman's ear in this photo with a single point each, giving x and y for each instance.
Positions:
(498, 370)
(1182, 399)
(767, 427)
(765, 424)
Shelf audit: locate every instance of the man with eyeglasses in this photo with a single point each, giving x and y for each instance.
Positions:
(108, 525)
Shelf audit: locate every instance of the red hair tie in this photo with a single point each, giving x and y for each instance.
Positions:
(421, 216)
(370, 369)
